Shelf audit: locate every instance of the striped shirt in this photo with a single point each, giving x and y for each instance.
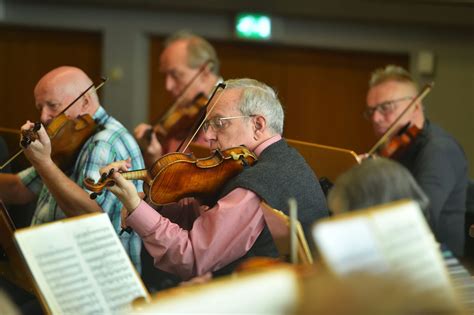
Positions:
(112, 142)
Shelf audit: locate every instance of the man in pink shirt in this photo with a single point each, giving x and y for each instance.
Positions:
(222, 234)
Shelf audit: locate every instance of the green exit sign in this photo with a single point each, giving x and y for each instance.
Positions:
(254, 26)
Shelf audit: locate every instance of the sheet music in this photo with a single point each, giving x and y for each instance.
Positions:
(103, 253)
(396, 239)
(409, 246)
(80, 266)
(350, 246)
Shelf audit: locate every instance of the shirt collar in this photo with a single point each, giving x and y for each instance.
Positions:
(100, 115)
(262, 146)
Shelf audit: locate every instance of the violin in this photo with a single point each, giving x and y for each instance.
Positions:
(178, 175)
(175, 176)
(400, 143)
(67, 135)
(391, 146)
(178, 122)
(179, 118)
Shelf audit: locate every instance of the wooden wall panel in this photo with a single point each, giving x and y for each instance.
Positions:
(27, 54)
(323, 91)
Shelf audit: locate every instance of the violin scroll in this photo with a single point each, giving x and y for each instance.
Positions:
(97, 188)
(28, 136)
(106, 181)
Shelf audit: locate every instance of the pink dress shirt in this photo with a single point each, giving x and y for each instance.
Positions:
(214, 236)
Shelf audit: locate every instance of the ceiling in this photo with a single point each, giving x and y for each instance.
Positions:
(448, 13)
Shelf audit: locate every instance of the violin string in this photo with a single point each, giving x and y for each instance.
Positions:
(426, 89)
(220, 85)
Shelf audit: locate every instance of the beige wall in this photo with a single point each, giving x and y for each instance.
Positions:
(125, 47)
(451, 104)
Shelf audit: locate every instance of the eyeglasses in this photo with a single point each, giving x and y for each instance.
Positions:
(384, 108)
(219, 123)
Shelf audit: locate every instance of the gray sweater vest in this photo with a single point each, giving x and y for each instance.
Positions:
(280, 173)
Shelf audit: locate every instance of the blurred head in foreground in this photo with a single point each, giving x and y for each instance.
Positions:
(373, 182)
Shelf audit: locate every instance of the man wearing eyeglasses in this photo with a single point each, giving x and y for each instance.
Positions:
(191, 68)
(434, 157)
(248, 113)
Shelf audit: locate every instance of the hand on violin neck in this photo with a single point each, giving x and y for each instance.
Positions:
(38, 148)
(154, 150)
(140, 133)
(148, 142)
(120, 166)
(125, 191)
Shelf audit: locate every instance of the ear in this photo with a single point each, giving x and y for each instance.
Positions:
(418, 108)
(86, 101)
(260, 125)
(206, 74)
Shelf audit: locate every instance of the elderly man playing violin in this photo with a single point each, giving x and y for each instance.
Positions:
(59, 192)
(434, 158)
(233, 228)
(191, 68)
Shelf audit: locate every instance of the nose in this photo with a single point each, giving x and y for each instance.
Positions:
(45, 116)
(210, 136)
(376, 117)
(170, 84)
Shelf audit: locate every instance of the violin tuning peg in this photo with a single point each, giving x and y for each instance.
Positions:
(25, 141)
(93, 196)
(103, 177)
(37, 126)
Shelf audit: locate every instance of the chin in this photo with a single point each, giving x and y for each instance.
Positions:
(379, 132)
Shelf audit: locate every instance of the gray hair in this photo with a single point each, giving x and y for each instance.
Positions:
(391, 73)
(199, 50)
(375, 181)
(259, 99)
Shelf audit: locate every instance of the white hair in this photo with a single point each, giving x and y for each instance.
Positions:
(259, 99)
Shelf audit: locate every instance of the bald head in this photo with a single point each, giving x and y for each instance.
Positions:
(58, 88)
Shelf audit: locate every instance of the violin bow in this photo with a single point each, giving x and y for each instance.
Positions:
(203, 119)
(104, 79)
(9, 130)
(421, 95)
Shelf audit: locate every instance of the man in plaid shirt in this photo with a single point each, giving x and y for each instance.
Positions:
(60, 193)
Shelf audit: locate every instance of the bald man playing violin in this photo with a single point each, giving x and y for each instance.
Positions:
(435, 158)
(180, 62)
(233, 228)
(60, 193)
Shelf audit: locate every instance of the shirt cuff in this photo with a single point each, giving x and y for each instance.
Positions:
(144, 219)
(30, 178)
